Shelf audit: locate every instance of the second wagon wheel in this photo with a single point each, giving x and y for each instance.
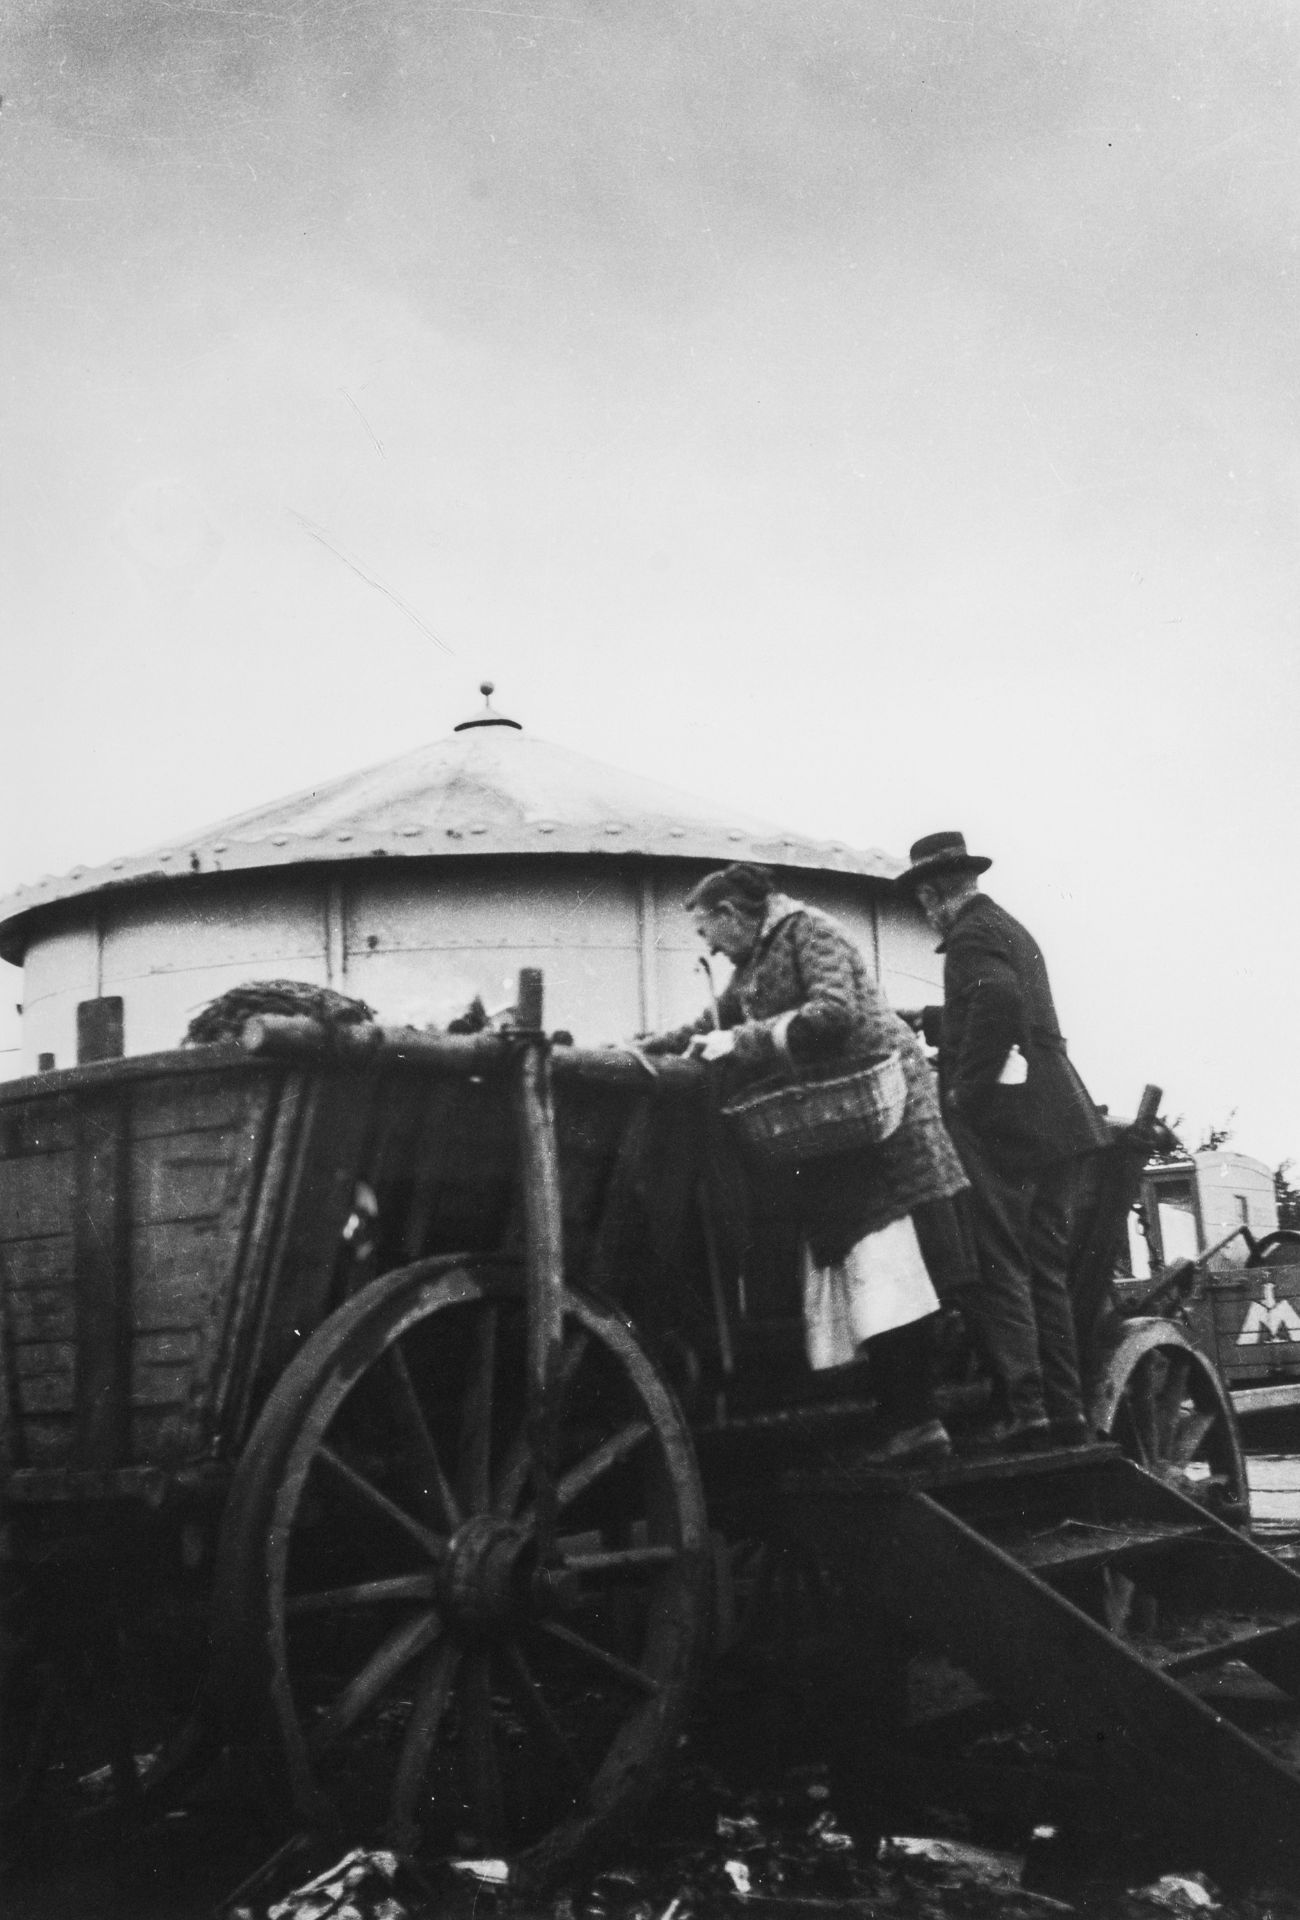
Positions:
(431, 1679)
(1164, 1404)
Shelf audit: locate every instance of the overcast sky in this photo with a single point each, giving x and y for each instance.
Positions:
(882, 416)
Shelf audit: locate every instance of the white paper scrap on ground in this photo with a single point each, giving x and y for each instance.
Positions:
(1179, 1893)
(988, 1865)
(495, 1872)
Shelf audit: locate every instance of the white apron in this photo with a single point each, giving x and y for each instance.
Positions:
(881, 1283)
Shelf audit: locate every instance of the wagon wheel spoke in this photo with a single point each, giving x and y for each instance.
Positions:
(394, 1652)
(437, 1500)
(432, 1695)
(599, 1461)
(1170, 1397)
(369, 1495)
(599, 1657)
(1118, 1592)
(1189, 1435)
(475, 1453)
(530, 1697)
(365, 1593)
(482, 1771)
(517, 1464)
(1143, 1408)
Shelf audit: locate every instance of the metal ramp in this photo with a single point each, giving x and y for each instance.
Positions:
(1158, 1647)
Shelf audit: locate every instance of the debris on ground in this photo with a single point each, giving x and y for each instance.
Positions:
(987, 1866)
(490, 1873)
(361, 1885)
(1183, 1893)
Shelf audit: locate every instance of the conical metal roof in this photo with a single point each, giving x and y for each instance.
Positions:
(489, 789)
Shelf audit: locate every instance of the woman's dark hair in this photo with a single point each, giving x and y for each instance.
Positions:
(740, 885)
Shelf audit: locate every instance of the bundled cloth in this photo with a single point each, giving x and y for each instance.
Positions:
(224, 1017)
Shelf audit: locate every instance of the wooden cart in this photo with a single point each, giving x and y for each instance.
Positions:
(360, 1393)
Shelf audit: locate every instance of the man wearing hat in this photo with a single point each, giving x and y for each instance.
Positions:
(1021, 1119)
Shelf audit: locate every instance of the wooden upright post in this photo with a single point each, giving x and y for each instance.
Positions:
(102, 1275)
(544, 1227)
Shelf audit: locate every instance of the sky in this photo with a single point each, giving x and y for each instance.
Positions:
(880, 418)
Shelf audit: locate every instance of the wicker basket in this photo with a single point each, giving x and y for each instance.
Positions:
(811, 1119)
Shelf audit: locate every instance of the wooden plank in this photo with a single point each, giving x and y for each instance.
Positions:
(49, 1393)
(212, 1103)
(1053, 1664)
(36, 1126)
(38, 1263)
(182, 1176)
(43, 1358)
(539, 1165)
(161, 1387)
(174, 1348)
(337, 1123)
(276, 1160)
(41, 1313)
(86, 1081)
(462, 1160)
(178, 1266)
(168, 1435)
(36, 1196)
(102, 1279)
(47, 1437)
(187, 1272)
(10, 1434)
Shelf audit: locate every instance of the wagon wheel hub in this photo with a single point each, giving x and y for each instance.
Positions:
(492, 1577)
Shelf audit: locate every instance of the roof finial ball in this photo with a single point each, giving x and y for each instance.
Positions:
(489, 716)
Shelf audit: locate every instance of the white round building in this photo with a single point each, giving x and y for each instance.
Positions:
(422, 883)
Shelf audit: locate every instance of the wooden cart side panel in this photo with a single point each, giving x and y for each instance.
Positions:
(8, 1410)
(36, 1195)
(1248, 1321)
(199, 1156)
(281, 1152)
(102, 1282)
(591, 1124)
(300, 1235)
(37, 1189)
(441, 1158)
(123, 1213)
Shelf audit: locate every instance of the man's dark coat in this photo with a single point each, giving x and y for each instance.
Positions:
(996, 996)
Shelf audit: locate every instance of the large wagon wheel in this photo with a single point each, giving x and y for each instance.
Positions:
(384, 1612)
(1162, 1401)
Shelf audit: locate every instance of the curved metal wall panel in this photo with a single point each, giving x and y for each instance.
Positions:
(420, 939)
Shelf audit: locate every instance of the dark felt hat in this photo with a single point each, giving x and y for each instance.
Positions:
(941, 853)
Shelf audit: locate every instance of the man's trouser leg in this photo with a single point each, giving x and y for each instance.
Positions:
(1047, 1245)
(1001, 1307)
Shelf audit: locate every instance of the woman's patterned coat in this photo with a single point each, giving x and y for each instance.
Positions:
(805, 998)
